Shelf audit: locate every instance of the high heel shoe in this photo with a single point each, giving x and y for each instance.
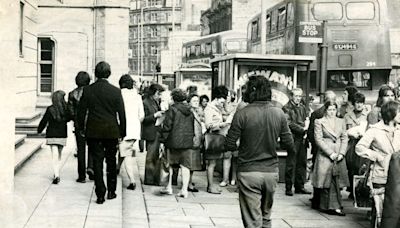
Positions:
(132, 186)
(56, 180)
(213, 190)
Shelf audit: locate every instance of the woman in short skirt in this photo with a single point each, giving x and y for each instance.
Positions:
(55, 119)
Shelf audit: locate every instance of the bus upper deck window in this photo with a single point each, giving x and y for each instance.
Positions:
(192, 50)
(360, 10)
(268, 22)
(203, 48)
(327, 11)
(187, 51)
(214, 47)
(208, 48)
(232, 46)
(197, 50)
(254, 30)
(274, 21)
(282, 18)
(290, 14)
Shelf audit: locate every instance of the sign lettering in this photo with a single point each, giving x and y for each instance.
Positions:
(345, 47)
(311, 32)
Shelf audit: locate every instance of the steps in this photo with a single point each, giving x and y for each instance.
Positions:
(24, 149)
(27, 125)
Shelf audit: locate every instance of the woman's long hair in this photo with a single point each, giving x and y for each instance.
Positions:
(59, 105)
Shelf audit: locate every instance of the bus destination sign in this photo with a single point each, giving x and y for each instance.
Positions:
(345, 47)
(310, 32)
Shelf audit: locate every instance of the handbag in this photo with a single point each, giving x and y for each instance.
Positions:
(214, 142)
(362, 188)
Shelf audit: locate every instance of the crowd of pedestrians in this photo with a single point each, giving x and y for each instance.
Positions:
(345, 139)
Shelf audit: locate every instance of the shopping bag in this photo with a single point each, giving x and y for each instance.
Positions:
(214, 142)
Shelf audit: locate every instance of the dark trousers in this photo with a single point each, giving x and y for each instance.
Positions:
(152, 167)
(256, 196)
(141, 145)
(81, 146)
(100, 149)
(296, 166)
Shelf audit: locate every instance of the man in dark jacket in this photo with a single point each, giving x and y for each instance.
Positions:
(296, 164)
(177, 135)
(258, 125)
(105, 124)
(150, 133)
(82, 79)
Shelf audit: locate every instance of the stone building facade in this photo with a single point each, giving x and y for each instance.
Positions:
(157, 26)
(226, 15)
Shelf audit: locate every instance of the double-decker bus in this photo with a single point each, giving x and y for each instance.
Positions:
(195, 71)
(357, 38)
(207, 47)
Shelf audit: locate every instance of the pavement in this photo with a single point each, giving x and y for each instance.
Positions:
(38, 203)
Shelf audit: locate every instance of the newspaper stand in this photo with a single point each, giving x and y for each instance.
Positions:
(194, 75)
(281, 70)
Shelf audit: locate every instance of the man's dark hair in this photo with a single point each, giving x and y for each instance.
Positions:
(219, 92)
(258, 88)
(178, 95)
(351, 90)
(126, 81)
(389, 111)
(153, 88)
(82, 79)
(102, 70)
(202, 97)
(358, 98)
(190, 96)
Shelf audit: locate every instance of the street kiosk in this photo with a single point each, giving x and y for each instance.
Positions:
(281, 70)
(197, 76)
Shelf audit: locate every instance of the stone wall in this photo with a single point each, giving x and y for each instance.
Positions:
(26, 70)
(85, 33)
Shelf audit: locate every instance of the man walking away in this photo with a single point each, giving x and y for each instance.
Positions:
(82, 79)
(258, 126)
(105, 124)
(296, 164)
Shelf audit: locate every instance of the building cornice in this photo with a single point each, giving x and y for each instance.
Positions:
(84, 7)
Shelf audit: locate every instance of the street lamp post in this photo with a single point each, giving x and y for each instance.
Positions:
(141, 38)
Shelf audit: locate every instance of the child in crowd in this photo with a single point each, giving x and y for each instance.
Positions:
(56, 118)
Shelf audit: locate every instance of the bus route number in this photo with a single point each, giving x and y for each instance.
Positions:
(371, 64)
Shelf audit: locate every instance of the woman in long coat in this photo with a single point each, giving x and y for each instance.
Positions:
(330, 172)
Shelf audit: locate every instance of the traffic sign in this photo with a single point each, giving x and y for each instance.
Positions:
(310, 32)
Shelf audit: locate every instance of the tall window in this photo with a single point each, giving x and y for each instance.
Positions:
(46, 62)
(21, 28)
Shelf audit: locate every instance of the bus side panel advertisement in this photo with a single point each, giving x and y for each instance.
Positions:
(281, 79)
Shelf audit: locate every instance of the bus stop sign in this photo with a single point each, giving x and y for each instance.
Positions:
(310, 32)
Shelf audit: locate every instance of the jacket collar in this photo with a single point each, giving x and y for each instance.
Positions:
(213, 106)
(333, 131)
(353, 117)
(101, 80)
(382, 126)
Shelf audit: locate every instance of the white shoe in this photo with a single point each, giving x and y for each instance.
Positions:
(233, 182)
(223, 184)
